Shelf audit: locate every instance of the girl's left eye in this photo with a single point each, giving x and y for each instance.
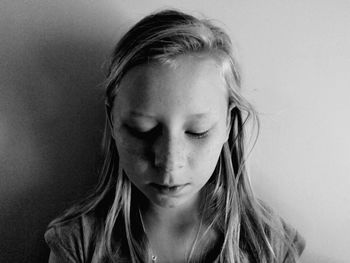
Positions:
(198, 135)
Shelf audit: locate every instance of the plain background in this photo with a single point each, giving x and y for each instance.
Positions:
(295, 57)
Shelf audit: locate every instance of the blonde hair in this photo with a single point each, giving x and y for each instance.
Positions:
(230, 206)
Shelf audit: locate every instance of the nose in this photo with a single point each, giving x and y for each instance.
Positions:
(169, 153)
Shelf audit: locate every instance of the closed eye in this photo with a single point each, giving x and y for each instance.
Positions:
(198, 135)
(149, 134)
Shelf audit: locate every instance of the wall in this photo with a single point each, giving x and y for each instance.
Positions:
(295, 57)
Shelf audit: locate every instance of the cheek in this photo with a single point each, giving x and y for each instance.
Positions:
(128, 144)
(204, 159)
(133, 155)
(207, 153)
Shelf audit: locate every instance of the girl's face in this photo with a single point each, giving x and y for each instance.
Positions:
(170, 123)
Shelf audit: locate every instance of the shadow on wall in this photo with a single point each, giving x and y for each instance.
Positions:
(51, 124)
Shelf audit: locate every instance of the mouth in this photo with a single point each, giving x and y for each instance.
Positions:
(168, 189)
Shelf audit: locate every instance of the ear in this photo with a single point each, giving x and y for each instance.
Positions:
(229, 120)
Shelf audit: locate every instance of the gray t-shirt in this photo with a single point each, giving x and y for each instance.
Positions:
(78, 241)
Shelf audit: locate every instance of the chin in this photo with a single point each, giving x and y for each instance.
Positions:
(173, 202)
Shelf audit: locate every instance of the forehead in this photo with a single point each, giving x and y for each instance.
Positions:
(193, 83)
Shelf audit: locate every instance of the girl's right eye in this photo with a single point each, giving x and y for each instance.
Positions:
(141, 134)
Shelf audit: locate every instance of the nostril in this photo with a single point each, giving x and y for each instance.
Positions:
(168, 162)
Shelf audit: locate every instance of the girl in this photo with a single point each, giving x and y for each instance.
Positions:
(173, 186)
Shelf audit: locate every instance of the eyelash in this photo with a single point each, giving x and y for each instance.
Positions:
(198, 135)
(140, 134)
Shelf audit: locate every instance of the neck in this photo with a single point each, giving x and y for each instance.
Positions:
(175, 219)
(176, 234)
(171, 231)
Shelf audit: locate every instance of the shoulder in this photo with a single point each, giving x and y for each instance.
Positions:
(294, 236)
(288, 243)
(73, 240)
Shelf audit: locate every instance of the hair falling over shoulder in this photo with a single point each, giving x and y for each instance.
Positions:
(247, 226)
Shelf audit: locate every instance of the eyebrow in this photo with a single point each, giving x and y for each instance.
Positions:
(139, 114)
(202, 115)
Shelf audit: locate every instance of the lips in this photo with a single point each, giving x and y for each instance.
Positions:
(168, 189)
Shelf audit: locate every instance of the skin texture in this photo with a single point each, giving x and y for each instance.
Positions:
(159, 116)
(170, 122)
